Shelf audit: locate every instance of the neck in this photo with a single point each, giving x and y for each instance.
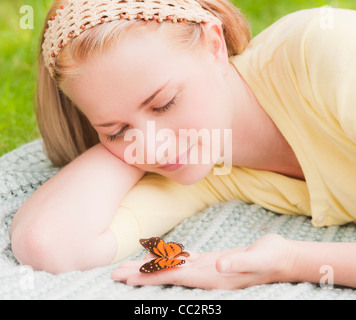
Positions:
(257, 142)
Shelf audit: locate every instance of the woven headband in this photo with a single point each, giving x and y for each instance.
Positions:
(80, 15)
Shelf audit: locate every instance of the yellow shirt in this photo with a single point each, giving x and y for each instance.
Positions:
(302, 70)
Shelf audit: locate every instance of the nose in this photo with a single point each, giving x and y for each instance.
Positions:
(150, 145)
(162, 149)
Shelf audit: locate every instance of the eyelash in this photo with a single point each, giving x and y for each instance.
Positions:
(158, 110)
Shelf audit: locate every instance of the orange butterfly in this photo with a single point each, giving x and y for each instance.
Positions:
(167, 254)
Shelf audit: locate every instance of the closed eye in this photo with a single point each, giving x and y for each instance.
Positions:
(165, 108)
(117, 135)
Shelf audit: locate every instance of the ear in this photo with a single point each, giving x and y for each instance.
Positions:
(214, 42)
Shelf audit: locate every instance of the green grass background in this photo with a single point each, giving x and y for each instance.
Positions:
(18, 51)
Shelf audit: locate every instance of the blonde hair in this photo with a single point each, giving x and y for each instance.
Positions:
(65, 130)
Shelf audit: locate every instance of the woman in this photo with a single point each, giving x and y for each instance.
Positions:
(111, 66)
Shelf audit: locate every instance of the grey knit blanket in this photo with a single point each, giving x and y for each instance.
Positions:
(221, 226)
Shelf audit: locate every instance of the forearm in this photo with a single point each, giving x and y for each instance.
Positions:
(88, 189)
(314, 260)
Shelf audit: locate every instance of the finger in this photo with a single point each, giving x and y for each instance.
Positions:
(162, 277)
(131, 264)
(239, 263)
(184, 276)
(192, 256)
(153, 279)
(122, 274)
(129, 269)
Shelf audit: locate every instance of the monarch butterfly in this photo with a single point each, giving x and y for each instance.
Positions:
(167, 254)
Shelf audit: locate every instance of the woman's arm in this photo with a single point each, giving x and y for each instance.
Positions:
(64, 225)
(268, 260)
(320, 262)
(94, 211)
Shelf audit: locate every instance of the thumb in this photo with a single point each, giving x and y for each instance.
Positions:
(239, 263)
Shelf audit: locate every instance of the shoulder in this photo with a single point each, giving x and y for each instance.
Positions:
(310, 24)
(317, 19)
(323, 40)
(322, 53)
(324, 28)
(312, 54)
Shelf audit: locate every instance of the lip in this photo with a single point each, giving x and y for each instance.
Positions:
(177, 165)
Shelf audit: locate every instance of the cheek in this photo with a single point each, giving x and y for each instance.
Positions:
(205, 108)
(207, 101)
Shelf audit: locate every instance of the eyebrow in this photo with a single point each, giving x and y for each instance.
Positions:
(142, 105)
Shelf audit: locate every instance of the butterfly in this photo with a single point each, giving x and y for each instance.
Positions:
(167, 254)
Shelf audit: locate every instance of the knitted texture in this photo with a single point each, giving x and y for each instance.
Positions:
(221, 226)
(81, 15)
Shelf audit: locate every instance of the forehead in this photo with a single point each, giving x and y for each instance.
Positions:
(127, 74)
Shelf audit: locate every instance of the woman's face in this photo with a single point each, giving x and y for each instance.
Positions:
(147, 85)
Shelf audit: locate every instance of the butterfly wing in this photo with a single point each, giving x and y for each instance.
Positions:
(152, 243)
(158, 247)
(159, 264)
(175, 250)
(167, 254)
(171, 263)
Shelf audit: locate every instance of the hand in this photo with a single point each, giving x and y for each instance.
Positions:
(265, 261)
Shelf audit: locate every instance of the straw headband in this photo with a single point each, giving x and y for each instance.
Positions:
(80, 15)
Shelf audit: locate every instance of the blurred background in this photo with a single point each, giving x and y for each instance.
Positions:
(19, 48)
